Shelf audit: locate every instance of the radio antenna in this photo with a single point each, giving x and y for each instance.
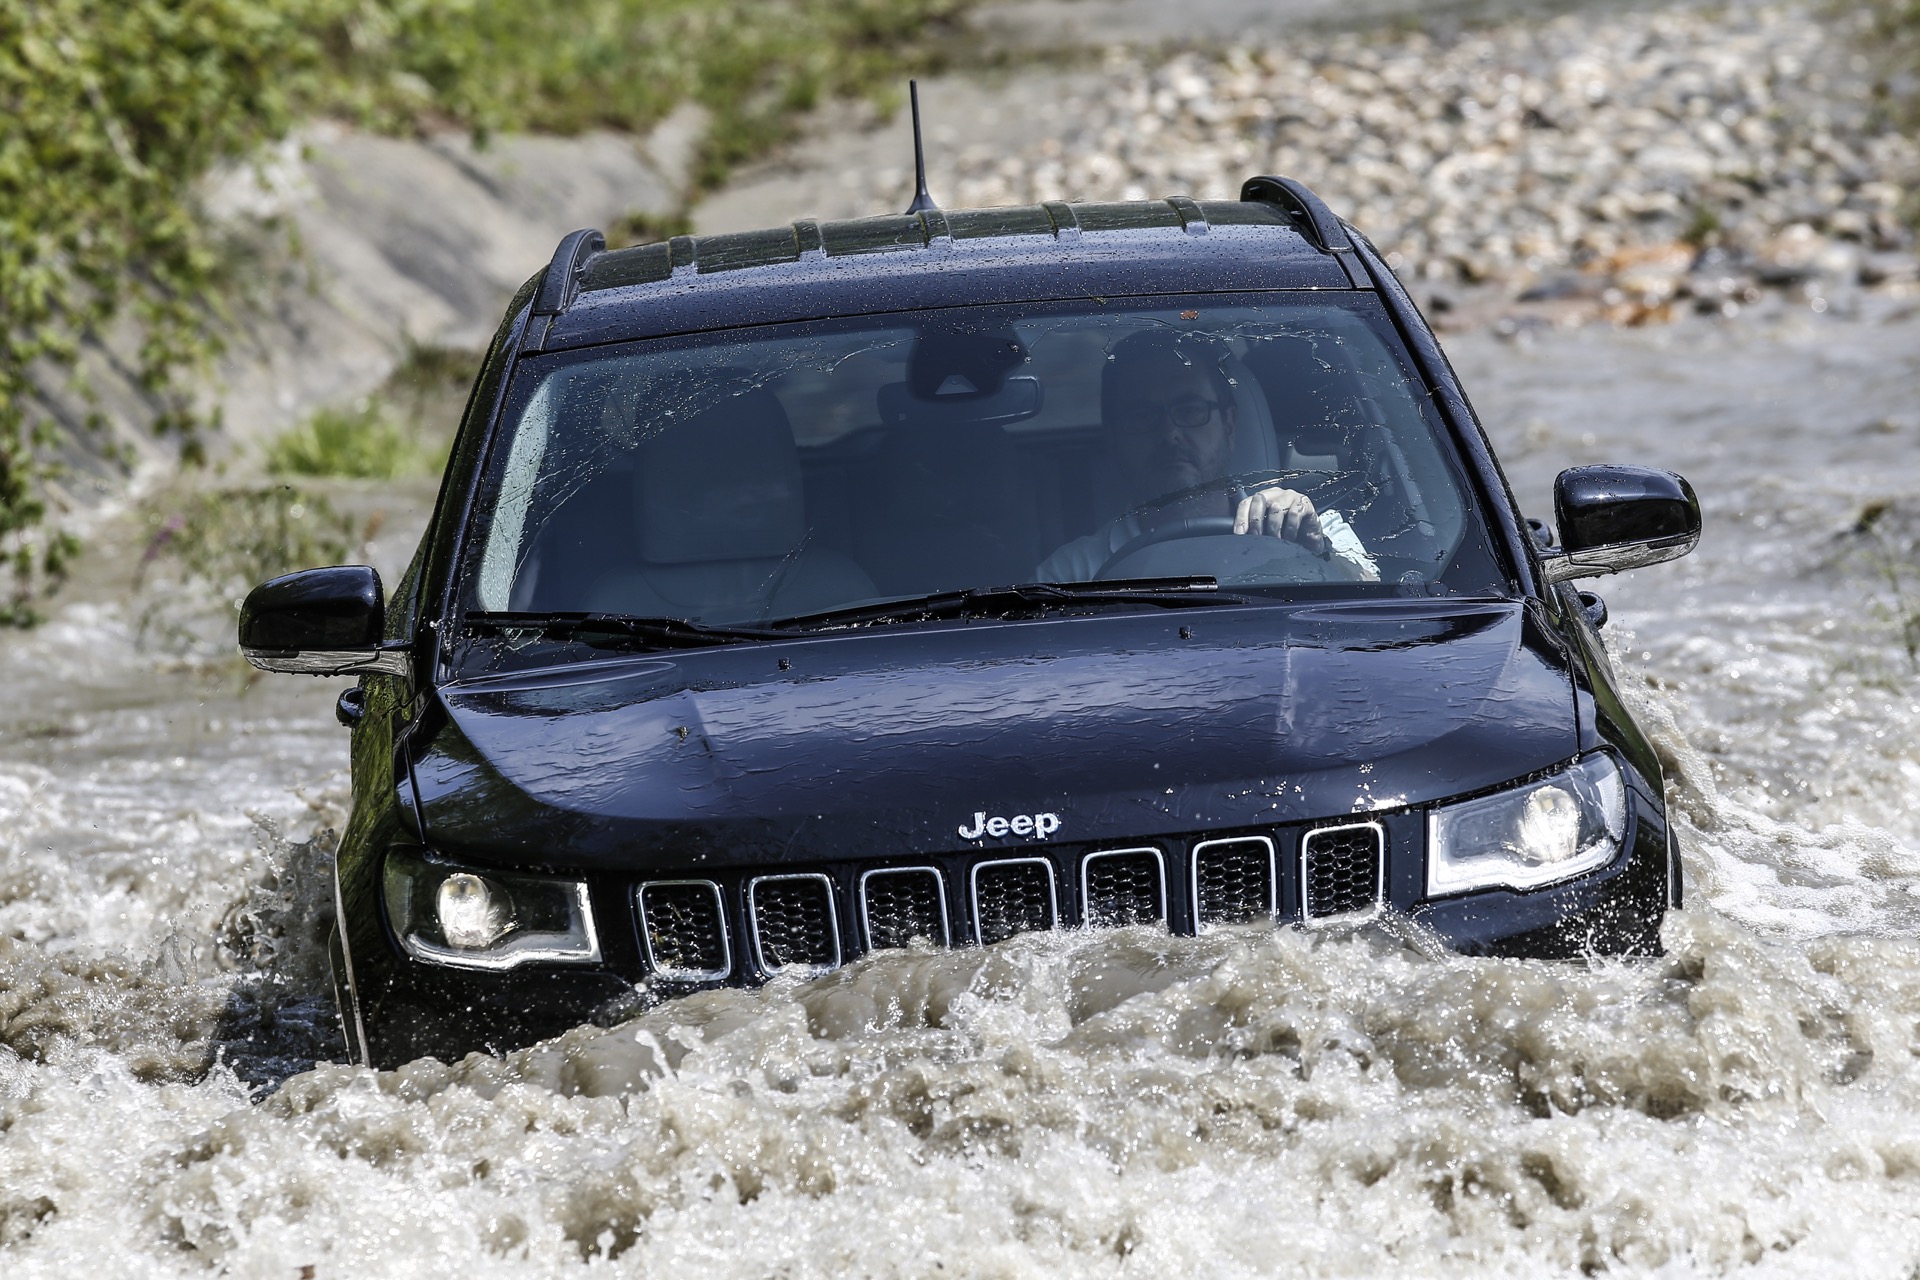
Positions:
(922, 202)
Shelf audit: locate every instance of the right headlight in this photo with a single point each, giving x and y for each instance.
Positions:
(486, 919)
(1553, 829)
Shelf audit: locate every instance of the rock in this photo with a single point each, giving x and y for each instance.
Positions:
(1889, 268)
(1550, 161)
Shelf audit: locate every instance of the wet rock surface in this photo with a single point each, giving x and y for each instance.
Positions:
(1627, 167)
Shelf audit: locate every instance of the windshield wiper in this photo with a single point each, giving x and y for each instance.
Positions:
(607, 630)
(1023, 598)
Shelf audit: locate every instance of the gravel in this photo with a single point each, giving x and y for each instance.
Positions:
(1625, 167)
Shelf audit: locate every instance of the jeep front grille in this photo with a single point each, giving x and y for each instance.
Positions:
(684, 926)
(1122, 887)
(1013, 896)
(1233, 881)
(1341, 868)
(794, 921)
(904, 903)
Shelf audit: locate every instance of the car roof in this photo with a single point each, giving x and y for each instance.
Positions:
(940, 258)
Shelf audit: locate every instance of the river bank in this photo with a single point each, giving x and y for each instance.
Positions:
(1614, 166)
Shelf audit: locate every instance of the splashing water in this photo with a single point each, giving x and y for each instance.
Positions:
(1349, 1101)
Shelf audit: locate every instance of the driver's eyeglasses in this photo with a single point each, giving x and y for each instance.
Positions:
(1185, 412)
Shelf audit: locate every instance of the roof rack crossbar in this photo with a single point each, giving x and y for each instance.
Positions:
(561, 283)
(1066, 226)
(1192, 219)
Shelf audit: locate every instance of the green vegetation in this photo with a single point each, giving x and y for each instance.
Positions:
(361, 443)
(236, 538)
(384, 436)
(1891, 35)
(214, 544)
(626, 63)
(1884, 544)
(645, 228)
(114, 108)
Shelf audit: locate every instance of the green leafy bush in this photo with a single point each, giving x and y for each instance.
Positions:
(361, 443)
(232, 539)
(402, 429)
(1891, 34)
(207, 547)
(113, 109)
(625, 63)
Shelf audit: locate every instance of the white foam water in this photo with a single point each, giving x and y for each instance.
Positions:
(1341, 1102)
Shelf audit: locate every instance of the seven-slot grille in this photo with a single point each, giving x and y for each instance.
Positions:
(1013, 896)
(1233, 881)
(904, 903)
(684, 926)
(1341, 868)
(794, 921)
(1122, 887)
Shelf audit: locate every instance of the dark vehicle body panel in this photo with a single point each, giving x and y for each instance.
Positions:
(835, 751)
(1227, 260)
(1260, 715)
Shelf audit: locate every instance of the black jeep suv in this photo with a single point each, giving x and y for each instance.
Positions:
(802, 593)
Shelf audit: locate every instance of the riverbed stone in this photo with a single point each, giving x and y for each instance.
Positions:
(1613, 149)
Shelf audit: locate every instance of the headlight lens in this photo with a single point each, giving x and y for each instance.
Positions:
(1550, 830)
(486, 920)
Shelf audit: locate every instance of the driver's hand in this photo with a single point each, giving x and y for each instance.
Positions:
(1281, 513)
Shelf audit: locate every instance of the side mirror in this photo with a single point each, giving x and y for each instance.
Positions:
(1614, 518)
(320, 622)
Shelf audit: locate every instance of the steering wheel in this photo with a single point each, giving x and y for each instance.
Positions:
(1191, 527)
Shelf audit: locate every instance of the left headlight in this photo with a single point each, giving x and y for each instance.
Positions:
(1546, 831)
(476, 919)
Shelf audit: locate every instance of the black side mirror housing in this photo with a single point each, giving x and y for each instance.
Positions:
(1613, 518)
(322, 622)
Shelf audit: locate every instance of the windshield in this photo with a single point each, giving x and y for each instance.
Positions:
(1280, 446)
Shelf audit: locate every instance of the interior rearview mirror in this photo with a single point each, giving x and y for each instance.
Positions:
(320, 622)
(1015, 400)
(1614, 518)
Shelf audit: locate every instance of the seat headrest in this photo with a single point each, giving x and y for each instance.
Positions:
(724, 484)
(1304, 390)
(1254, 451)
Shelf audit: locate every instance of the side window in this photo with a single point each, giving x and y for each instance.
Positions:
(428, 571)
(403, 602)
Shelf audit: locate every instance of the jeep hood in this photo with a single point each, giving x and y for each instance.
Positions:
(885, 741)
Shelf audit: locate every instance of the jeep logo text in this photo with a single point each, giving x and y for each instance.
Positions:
(1041, 825)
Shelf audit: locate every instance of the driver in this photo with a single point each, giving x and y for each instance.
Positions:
(1169, 412)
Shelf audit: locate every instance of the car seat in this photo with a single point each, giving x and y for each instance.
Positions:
(1255, 449)
(576, 541)
(1256, 454)
(1310, 398)
(1332, 441)
(944, 514)
(719, 524)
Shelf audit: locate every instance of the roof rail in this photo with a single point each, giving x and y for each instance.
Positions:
(1316, 221)
(561, 284)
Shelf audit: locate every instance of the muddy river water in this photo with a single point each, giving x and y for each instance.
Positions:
(1341, 1103)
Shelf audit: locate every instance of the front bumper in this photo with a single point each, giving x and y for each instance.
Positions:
(410, 1008)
